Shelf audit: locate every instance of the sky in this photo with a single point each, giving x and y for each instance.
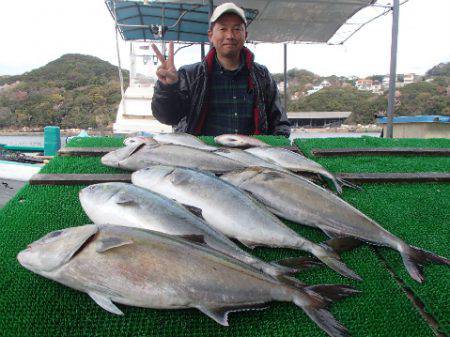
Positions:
(33, 33)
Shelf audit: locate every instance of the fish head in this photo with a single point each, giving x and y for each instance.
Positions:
(97, 195)
(55, 249)
(113, 158)
(139, 139)
(152, 176)
(239, 177)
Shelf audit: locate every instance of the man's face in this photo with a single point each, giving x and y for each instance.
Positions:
(228, 35)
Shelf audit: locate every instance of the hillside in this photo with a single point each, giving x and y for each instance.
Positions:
(428, 95)
(73, 91)
(80, 91)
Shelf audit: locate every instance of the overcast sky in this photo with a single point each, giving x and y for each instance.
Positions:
(33, 33)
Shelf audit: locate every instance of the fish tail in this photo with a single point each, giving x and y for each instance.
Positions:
(414, 258)
(346, 183)
(332, 260)
(315, 306)
(333, 292)
(298, 263)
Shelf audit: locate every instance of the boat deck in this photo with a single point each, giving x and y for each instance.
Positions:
(31, 305)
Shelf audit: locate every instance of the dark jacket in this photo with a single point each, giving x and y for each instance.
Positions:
(185, 104)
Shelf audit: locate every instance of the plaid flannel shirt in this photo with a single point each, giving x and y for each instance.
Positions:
(230, 102)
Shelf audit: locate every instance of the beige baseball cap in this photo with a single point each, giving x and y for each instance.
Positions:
(227, 7)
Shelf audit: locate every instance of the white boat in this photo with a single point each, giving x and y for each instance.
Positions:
(135, 113)
(11, 170)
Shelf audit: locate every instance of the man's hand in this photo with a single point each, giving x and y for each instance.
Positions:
(166, 72)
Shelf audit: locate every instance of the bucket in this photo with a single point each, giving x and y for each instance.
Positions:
(52, 140)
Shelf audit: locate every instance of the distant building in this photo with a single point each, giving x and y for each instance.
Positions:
(410, 78)
(364, 84)
(314, 89)
(318, 119)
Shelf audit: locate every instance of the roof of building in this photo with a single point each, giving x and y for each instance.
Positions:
(270, 20)
(318, 114)
(416, 119)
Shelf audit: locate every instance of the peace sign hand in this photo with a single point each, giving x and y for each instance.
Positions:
(166, 72)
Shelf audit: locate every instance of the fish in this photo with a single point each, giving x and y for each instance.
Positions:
(139, 139)
(232, 212)
(235, 140)
(299, 200)
(126, 204)
(182, 139)
(245, 158)
(297, 163)
(140, 155)
(135, 267)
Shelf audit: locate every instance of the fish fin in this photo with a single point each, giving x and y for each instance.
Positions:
(299, 263)
(194, 238)
(194, 210)
(125, 199)
(332, 260)
(333, 292)
(343, 244)
(272, 175)
(316, 309)
(179, 178)
(105, 303)
(414, 258)
(220, 314)
(111, 242)
(346, 183)
(249, 244)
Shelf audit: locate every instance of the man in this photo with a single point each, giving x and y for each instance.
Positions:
(225, 93)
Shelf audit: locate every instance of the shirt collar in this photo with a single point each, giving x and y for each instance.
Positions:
(219, 67)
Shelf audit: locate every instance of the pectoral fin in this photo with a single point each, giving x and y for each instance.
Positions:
(108, 243)
(249, 244)
(194, 210)
(105, 303)
(220, 314)
(198, 239)
(125, 199)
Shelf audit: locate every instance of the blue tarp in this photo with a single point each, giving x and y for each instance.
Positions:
(191, 27)
(417, 119)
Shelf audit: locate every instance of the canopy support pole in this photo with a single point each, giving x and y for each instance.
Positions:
(393, 71)
(119, 66)
(285, 78)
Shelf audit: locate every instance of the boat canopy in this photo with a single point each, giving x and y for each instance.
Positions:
(269, 20)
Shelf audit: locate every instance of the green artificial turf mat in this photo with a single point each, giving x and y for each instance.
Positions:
(111, 141)
(34, 306)
(417, 213)
(31, 305)
(379, 164)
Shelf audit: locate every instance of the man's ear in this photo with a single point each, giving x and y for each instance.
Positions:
(210, 35)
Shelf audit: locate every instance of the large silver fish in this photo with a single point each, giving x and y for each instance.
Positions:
(139, 155)
(232, 140)
(245, 158)
(147, 269)
(299, 200)
(126, 204)
(296, 162)
(231, 211)
(182, 139)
